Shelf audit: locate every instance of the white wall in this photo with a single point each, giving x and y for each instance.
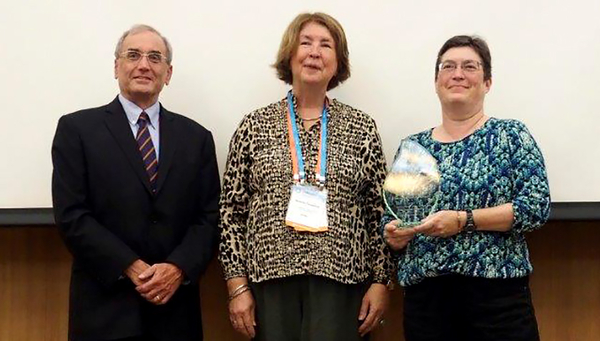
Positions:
(57, 58)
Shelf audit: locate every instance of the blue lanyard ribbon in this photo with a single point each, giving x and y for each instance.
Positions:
(322, 162)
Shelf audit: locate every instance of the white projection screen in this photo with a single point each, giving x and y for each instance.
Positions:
(57, 57)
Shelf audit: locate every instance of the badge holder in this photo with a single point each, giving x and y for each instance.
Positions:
(307, 209)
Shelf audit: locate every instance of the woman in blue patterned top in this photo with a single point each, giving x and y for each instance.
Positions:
(465, 268)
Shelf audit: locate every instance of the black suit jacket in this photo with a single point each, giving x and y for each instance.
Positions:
(108, 217)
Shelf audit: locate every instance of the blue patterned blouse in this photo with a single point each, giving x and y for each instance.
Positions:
(497, 164)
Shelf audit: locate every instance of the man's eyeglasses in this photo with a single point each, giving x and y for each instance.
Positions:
(135, 56)
(469, 66)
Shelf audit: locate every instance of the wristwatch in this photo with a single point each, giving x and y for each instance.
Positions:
(389, 284)
(470, 225)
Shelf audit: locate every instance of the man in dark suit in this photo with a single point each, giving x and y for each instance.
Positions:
(135, 190)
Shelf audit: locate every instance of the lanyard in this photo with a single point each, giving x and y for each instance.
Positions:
(296, 149)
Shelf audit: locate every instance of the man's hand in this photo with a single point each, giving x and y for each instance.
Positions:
(135, 270)
(160, 281)
(373, 307)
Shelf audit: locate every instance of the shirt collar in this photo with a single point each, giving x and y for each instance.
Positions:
(295, 104)
(133, 111)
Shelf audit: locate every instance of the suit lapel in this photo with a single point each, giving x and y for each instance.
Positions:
(117, 124)
(168, 146)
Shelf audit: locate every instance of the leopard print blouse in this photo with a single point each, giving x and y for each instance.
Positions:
(255, 242)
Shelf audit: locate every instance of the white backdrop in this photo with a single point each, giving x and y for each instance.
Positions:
(57, 58)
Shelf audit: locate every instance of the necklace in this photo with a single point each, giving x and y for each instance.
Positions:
(475, 125)
(468, 132)
(310, 119)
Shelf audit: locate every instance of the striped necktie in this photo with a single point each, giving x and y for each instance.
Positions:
(147, 149)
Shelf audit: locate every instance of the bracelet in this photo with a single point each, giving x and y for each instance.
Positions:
(238, 293)
(236, 290)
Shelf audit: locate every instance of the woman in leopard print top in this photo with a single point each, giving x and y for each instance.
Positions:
(329, 284)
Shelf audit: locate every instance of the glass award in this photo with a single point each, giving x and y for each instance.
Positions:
(411, 188)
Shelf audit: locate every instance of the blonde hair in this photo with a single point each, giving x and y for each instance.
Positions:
(289, 43)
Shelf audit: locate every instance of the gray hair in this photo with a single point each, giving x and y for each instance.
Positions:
(144, 28)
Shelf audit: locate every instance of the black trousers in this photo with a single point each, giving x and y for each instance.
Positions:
(307, 308)
(459, 308)
(136, 338)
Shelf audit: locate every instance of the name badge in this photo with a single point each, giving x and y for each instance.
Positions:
(307, 210)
